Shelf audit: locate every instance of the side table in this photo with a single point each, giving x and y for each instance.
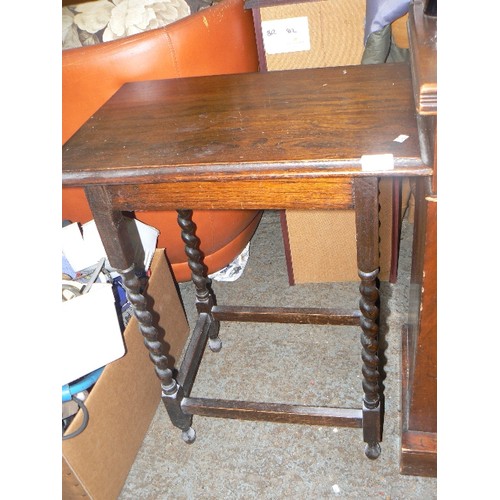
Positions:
(308, 139)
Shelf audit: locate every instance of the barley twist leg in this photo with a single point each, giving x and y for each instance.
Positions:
(172, 393)
(205, 299)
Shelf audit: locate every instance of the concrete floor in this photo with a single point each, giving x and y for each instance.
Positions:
(302, 364)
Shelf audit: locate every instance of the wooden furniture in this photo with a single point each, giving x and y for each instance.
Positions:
(295, 139)
(419, 342)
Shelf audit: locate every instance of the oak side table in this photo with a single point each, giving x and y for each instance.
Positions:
(301, 139)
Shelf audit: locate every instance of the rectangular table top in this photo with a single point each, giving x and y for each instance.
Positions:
(295, 123)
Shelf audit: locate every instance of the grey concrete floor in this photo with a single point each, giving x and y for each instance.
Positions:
(304, 364)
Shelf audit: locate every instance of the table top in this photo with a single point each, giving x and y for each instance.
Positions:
(312, 122)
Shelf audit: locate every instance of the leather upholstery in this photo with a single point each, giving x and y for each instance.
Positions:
(217, 40)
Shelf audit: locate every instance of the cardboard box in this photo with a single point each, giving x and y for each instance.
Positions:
(123, 401)
(320, 246)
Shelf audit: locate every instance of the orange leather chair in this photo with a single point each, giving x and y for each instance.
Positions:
(217, 40)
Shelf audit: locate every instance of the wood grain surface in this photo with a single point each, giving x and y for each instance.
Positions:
(282, 124)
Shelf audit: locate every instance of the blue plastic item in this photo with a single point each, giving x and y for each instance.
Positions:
(83, 383)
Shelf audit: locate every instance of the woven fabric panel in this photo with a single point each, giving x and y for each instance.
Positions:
(322, 243)
(336, 30)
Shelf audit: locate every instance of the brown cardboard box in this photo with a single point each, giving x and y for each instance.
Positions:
(321, 245)
(123, 401)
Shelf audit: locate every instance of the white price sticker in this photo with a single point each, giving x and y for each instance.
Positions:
(286, 35)
(375, 163)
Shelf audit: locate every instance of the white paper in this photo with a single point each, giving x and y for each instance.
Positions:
(85, 250)
(286, 35)
(401, 138)
(376, 163)
(90, 334)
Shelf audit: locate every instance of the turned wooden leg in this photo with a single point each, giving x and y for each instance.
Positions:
(367, 222)
(115, 235)
(172, 392)
(369, 355)
(205, 298)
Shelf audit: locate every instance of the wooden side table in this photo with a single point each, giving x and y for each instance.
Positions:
(315, 138)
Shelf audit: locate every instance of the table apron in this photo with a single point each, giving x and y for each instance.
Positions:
(312, 193)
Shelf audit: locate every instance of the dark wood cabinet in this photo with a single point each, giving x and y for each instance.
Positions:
(419, 339)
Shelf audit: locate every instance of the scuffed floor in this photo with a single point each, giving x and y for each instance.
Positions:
(304, 364)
